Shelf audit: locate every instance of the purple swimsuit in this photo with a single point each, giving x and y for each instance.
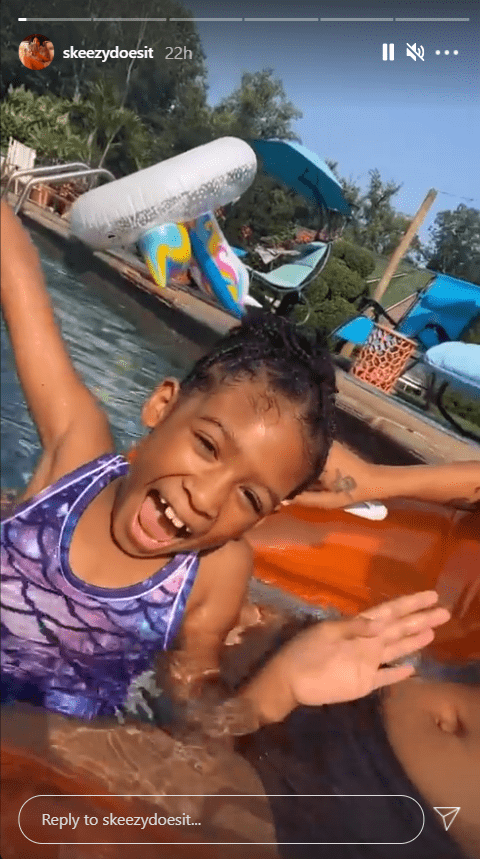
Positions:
(70, 646)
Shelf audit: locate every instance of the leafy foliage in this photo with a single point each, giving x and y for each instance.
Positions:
(116, 136)
(42, 122)
(62, 130)
(154, 81)
(163, 96)
(455, 244)
(265, 210)
(259, 108)
(375, 224)
(333, 294)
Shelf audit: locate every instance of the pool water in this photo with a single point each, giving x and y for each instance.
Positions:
(121, 350)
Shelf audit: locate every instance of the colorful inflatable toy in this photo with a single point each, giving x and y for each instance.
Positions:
(166, 251)
(150, 207)
(215, 267)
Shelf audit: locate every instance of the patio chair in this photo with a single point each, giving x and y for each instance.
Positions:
(440, 316)
(19, 157)
(286, 285)
(457, 365)
(442, 312)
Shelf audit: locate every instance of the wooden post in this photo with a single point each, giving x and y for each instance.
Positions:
(397, 255)
(404, 244)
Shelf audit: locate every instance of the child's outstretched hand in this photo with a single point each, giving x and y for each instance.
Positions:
(342, 660)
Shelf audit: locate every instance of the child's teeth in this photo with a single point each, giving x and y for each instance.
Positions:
(171, 515)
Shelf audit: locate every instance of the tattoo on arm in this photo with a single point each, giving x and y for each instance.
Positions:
(343, 483)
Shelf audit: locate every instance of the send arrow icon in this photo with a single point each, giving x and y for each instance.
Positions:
(447, 814)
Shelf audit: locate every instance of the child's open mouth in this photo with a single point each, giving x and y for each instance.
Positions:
(158, 521)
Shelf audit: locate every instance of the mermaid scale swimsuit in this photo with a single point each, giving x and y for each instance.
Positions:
(69, 646)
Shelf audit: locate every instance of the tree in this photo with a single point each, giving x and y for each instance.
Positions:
(455, 244)
(115, 135)
(333, 293)
(61, 130)
(374, 224)
(146, 85)
(259, 108)
(265, 210)
(42, 122)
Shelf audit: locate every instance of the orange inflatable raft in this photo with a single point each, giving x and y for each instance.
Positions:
(334, 559)
(331, 559)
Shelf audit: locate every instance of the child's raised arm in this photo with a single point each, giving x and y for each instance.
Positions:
(70, 423)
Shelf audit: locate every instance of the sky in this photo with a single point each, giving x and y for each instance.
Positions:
(417, 121)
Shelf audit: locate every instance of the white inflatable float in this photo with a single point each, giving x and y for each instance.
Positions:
(177, 190)
(150, 207)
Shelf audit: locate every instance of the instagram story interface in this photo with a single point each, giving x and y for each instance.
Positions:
(179, 166)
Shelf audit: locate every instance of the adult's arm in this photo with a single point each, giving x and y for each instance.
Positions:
(347, 479)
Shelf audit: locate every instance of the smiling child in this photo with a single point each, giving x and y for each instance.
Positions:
(104, 561)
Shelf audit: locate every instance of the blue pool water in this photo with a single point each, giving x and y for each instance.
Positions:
(121, 350)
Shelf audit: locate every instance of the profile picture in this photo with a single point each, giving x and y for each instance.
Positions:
(36, 52)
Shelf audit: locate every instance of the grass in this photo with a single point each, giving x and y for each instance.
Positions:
(401, 287)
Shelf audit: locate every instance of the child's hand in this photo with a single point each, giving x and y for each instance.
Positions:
(337, 661)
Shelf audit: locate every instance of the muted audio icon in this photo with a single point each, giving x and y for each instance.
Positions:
(388, 51)
(414, 52)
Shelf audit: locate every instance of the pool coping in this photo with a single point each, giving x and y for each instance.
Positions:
(359, 404)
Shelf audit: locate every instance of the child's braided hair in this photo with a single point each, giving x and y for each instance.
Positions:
(296, 365)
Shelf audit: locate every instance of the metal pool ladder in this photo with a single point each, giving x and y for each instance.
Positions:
(56, 174)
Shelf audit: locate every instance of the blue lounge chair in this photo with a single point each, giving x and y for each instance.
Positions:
(442, 312)
(456, 365)
(288, 282)
(437, 320)
(303, 171)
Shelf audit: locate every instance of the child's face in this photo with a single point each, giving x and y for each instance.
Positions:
(214, 464)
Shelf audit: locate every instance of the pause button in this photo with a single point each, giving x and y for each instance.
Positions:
(388, 51)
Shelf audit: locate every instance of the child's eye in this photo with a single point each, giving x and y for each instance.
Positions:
(206, 443)
(254, 500)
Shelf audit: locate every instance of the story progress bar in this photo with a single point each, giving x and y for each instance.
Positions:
(253, 20)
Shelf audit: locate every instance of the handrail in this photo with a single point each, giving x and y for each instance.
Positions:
(99, 171)
(45, 171)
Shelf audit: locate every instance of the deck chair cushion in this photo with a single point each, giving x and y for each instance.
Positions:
(458, 364)
(448, 302)
(356, 331)
(293, 276)
(289, 276)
